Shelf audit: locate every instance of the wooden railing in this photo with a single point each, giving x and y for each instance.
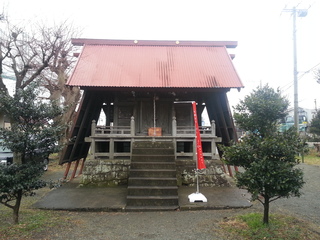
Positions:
(112, 136)
(112, 130)
(185, 130)
(124, 131)
(130, 130)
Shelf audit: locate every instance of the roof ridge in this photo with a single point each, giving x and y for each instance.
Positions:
(86, 41)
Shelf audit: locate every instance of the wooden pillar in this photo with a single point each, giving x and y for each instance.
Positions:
(93, 127)
(224, 168)
(174, 134)
(132, 127)
(111, 148)
(174, 126)
(93, 143)
(75, 169)
(82, 165)
(230, 170)
(66, 171)
(213, 128)
(213, 147)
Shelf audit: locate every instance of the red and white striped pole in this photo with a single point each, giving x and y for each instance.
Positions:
(200, 164)
(200, 160)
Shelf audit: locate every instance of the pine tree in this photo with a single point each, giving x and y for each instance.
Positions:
(267, 156)
(32, 135)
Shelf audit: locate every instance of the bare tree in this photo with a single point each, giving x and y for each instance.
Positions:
(55, 77)
(317, 75)
(38, 57)
(5, 47)
(28, 54)
(43, 54)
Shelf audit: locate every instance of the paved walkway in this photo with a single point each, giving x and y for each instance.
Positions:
(72, 197)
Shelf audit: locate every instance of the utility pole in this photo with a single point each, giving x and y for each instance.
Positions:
(295, 71)
(300, 13)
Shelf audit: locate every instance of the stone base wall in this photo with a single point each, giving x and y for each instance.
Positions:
(213, 175)
(116, 172)
(105, 172)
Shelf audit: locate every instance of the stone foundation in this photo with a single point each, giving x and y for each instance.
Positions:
(213, 175)
(116, 172)
(105, 172)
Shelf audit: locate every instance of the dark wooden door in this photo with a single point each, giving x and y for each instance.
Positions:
(183, 113)
(145, 116)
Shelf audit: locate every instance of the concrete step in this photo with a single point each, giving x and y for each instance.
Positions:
(152, 200)
(152, 158)
(153, 165)
(152, 181)
(153, 173)
(152, 190)
(151, 208)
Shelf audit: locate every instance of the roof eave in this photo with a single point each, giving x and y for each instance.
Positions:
(86, 41)
(113, 88)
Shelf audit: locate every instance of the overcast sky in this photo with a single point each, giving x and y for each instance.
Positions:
(263, 31)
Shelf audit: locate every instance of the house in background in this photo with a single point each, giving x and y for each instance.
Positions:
(144, 90)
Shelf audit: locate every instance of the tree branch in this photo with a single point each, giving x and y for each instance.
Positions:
(273, 199)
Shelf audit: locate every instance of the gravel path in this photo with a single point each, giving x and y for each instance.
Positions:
(307, 206)
(198, 225)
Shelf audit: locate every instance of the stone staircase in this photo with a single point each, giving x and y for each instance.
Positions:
(152, 184)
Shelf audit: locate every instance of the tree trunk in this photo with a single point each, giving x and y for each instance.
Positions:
(70, 97)
(266, 210)
(3, 87)
(16, 208)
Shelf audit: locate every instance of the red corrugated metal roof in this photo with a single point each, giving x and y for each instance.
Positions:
(155, 64)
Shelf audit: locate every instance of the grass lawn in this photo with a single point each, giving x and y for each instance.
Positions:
(250, 227)
(312, 158)
(31, 221)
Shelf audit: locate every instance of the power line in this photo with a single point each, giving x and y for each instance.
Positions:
(288, 85)
(304, 73)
